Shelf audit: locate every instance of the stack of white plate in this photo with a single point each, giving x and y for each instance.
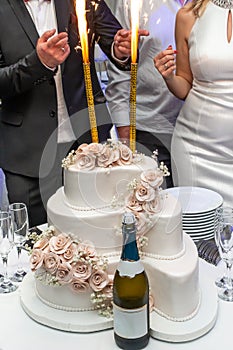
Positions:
(199, 206)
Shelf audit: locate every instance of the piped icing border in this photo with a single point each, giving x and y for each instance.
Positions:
(158, 311)
(151, 255)
(111, 205)
(62, 307)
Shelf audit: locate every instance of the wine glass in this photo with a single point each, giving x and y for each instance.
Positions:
(6, 245)
(19, 221)
(224, 239)
(220, 282)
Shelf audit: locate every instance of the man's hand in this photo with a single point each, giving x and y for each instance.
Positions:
(123, 134)
(52, 50)
(122, 42)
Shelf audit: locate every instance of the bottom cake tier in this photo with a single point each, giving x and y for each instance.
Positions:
(174, 286)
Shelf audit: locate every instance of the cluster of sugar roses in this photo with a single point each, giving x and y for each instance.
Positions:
(111, 153)
(145, 198)
(59, 260)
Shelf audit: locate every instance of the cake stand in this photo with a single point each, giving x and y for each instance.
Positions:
(90, 321)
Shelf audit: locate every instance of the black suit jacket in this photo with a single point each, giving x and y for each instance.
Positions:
(28, 114)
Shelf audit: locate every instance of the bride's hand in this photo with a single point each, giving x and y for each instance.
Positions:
(164, 62)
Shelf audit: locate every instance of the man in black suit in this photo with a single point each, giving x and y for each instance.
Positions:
(42, 90)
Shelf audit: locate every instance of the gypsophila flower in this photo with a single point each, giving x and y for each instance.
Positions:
(69, 160)
(164, 169)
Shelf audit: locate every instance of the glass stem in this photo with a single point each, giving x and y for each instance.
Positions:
(5, 274)
(228, 275)
(19, 249)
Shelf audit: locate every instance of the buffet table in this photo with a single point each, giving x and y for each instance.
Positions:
(19, 331)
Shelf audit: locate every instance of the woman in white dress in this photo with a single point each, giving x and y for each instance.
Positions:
(202, 144)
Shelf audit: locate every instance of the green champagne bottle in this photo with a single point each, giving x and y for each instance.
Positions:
(130, 293)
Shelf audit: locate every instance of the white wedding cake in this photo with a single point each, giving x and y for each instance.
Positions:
(75, 259)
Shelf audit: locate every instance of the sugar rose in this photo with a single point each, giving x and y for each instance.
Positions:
(36, 259)
(64, 273)
(82, 148)
(51, 262)
(95, 148)
(85, 160)
(144, 192)
(59, 244)
(107, 156)
(69, 253)
(108, 290)
(98, 280)
(79, 286)
(126, 155)
(81, 270)
(154, 177)
(41, 244)
(133, 204)
(87, 248)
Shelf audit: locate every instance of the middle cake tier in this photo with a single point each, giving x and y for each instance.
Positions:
(102, 227)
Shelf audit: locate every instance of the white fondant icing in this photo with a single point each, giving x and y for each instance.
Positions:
(100, 226)
(181, 319)
(174, 285)
(96, 189)
(170, 258)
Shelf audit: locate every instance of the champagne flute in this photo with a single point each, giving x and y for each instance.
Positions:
(19, 220)
(6, 245)
(224, 239)
(221, 280)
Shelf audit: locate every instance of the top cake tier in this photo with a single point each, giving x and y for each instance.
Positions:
(97, 176)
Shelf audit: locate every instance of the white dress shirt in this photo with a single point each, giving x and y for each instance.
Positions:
(44, 18)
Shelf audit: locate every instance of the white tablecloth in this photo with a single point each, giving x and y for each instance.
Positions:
(18, 331)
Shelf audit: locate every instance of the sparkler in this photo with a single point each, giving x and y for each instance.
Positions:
(82, 27)
(135, 7)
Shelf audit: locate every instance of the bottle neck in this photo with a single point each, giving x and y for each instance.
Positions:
(130, 249)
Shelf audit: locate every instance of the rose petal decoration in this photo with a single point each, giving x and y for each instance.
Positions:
(42, 243)
(133, 204)
(108, 290)
(64, 273)
(98, 280)
(107, 156)
(78, 286)
(81, 270)
(126, 155)
(95, 148)
(69, 254)
(144, 192)
(36, 259)
(85, 161)
(59, 244)
(87, 248)
(51, 262)
(154, 177)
